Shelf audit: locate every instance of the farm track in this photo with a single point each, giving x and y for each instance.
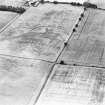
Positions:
(8, 24)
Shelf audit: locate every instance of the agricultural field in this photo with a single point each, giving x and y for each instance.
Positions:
(52, 54)
(87, 47)
(40, 33)
(21, 79)
(74, 85)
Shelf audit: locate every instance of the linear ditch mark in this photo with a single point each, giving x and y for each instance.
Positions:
(101, 9)
(47, 78)
(25, 58)
(101, 56)
(8, 24)
(83, 26)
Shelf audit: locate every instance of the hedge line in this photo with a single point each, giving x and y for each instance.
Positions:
(85, 4)
(12, 9)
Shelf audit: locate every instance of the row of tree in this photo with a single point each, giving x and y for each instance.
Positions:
(19, 10)
(85, 4)
(58, 2)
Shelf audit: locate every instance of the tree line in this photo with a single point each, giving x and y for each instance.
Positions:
(19, 10)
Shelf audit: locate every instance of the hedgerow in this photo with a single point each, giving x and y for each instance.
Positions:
(19, 10)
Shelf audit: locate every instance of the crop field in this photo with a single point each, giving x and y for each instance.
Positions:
(40, 35)
(20, 79)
